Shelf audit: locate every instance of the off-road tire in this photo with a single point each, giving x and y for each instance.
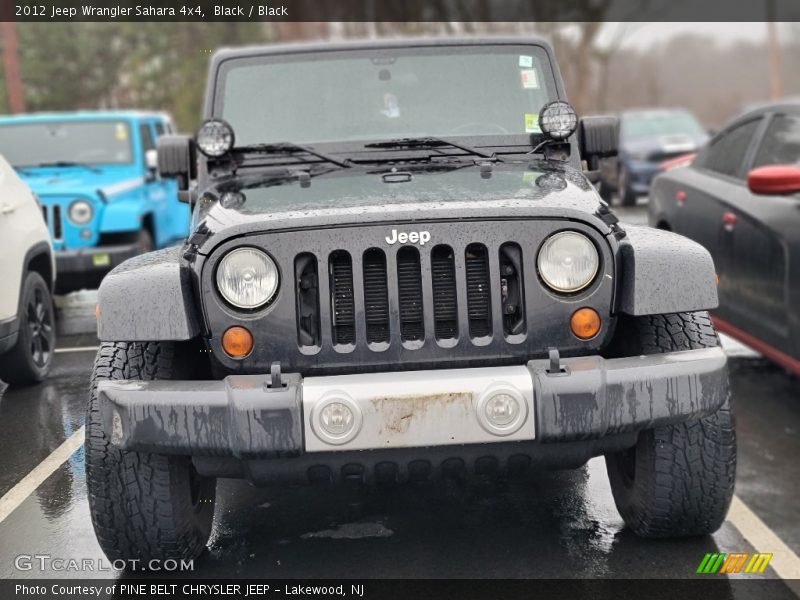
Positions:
(678, 479)
(30, 359)
(144, 506)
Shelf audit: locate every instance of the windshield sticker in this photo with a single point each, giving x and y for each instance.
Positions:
(526, 62)
(122, 132)
(532, 123)
(529, 79)
(529, 177)
(391, 108)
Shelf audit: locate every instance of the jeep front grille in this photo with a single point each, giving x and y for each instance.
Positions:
(410, 321)
(355, 298)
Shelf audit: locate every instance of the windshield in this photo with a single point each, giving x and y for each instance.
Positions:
(86, 142)
(379, 94)
(659, 123)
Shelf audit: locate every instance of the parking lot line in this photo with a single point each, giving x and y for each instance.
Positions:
(784, 561)
(78, 349)
(16, 495)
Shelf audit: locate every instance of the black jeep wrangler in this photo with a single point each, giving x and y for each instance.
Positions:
(399, 269)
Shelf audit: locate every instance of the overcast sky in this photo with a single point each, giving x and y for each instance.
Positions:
(645, 34)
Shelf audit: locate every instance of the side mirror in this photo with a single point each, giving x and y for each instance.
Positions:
(151, 159)
(598, 137)
(177, 156)
(774, 180)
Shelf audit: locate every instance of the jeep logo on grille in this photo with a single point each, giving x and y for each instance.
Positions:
(414, 237)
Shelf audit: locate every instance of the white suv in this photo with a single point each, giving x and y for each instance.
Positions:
(27, 274)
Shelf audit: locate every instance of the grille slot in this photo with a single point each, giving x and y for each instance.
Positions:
(343, 327)
(445, 295)
(409, 283)
(57, 234)
(307, 299)
(376, 296)
(479, 300)
(512, 290)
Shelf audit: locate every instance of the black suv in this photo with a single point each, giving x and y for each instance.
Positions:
(399, 268)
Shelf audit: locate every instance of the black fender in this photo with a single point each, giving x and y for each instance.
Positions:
(148, 298)
(663, 272)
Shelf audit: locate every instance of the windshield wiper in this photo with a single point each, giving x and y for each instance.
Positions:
(291, 148)
(65, 163)
(430, 142)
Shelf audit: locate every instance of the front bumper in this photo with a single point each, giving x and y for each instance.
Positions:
(99, 259)
(243, 417)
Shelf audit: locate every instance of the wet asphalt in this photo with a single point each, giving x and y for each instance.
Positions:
(560, 524)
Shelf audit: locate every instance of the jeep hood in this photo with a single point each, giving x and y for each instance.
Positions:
(77, 181)
(357, 196)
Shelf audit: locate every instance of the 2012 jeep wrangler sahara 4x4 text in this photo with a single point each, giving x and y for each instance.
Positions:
(398, 267)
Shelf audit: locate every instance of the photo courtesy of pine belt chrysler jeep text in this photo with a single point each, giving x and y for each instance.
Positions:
(396, 270)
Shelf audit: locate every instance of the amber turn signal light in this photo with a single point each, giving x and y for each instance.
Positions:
(237, 342)
(585, 323)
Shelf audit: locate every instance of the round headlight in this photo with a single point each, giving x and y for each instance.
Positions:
(247, 278)
(80, 212)
(568, 261)
(215, 138)
(558, 120)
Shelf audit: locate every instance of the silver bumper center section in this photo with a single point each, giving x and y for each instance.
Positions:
(418, 408)
(245, 417)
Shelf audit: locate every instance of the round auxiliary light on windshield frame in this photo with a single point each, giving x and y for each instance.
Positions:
(558, 120)
(215, 138)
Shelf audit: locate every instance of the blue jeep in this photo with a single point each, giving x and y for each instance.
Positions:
(95, 175)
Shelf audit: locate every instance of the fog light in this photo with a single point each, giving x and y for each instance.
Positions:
(502, 410)
(336, 419)
(86, 234)
(585, 323)
(237, 342)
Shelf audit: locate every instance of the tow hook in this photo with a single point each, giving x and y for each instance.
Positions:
(555, 369)
(276, 382)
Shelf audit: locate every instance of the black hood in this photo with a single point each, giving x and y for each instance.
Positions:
(370, 195)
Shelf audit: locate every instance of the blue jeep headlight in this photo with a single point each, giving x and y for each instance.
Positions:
(80, 212)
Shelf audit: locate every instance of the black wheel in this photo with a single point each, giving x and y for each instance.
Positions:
(627, 197)
(30, 359)
(678, 480)
(144, 506)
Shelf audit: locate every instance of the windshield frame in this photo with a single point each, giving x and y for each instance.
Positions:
(226, 60)
(67, 159)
